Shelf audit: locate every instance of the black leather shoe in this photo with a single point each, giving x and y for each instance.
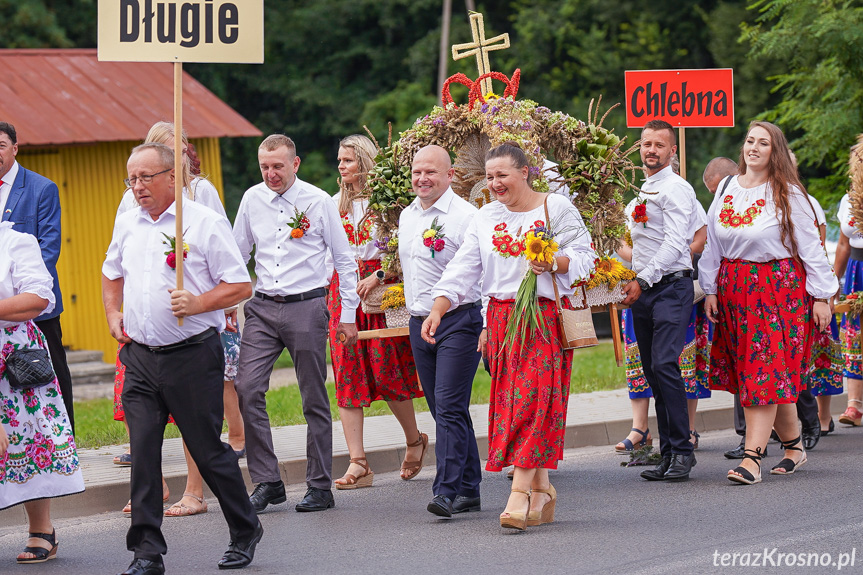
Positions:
(811, 437)
(239, 555)
(441, 506)
(829, 430)
(658, 472)
(738, 452)
(680, 467)
(145, 567)
(463, 504)
(267, 494)
(316, 500)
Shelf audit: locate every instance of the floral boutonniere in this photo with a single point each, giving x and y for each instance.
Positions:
(171, 255)
(433, 238)
(639, 214)
(299, 223)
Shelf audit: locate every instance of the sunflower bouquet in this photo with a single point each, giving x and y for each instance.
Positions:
(608, 272)
(541, 244)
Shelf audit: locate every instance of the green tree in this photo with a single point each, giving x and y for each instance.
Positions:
(822, 90)
(31, 24)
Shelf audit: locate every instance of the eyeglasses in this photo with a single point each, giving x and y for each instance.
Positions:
(145, 178)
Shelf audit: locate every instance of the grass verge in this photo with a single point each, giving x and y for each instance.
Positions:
(593, 369)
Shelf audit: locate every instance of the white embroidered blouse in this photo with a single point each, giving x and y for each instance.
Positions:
(847, 223)
(742, 224)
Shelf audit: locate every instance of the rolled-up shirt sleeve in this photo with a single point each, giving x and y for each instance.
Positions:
(464, 271)
(343, 259)
(224, 258)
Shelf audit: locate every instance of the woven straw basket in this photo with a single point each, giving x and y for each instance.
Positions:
(372, 304)
(398, 317)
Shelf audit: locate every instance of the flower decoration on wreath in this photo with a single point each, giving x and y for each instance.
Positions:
(591, 160)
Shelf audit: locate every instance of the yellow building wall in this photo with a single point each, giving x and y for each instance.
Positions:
(90, 180)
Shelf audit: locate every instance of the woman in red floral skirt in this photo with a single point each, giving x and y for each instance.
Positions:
(768, 281)
(376, 369)
(530, 377)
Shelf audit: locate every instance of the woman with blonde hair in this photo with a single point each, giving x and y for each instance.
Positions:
(199, 189)
(767, 280)
(377, 369)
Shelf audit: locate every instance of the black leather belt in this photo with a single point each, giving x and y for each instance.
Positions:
(311, 294)
(456, 310)
(668, 278)
(856, 254)
(186, 342)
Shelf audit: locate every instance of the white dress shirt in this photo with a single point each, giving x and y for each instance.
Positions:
(290, 266)
(479, 261)
(756, 238)
(696, 222)
(22, 269)
(6, 188)
(421, 270)
(847, 225)
(205, 193)
(137, 254)
(661, 245)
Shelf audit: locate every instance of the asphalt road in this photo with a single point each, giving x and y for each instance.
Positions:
(608, 521)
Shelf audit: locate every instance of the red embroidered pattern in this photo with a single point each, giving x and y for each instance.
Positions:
(731, 219)
(507, 245)
(357, 238)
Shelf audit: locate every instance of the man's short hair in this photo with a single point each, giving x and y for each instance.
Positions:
(719, 167)
(166, 153)
(276, 141)
(661, 125)
(9, 130)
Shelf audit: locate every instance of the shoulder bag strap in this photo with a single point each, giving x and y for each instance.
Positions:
(553, 275)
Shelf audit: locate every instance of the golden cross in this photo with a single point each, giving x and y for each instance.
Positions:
(480, 47)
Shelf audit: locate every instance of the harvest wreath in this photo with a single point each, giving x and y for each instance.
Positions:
(591, 160)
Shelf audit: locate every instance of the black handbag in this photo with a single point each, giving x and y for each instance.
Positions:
(29, 368)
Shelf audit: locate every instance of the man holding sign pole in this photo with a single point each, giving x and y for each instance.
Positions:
(661, 295)
(171, 368)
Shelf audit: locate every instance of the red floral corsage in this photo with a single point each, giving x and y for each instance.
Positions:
(433, 238)
(639, 214)
(171, 255)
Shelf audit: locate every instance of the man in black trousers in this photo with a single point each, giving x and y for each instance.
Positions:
(661, 295)
(170, 368)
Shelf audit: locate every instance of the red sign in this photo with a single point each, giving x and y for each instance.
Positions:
(683, 98)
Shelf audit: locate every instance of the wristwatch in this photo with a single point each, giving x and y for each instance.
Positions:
(642, 284)
(381, 275)
(553, 265)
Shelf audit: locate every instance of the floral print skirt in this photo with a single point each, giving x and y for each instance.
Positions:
(849, 335)
(529, 392)
(380, 369)
(42, 460)
(762, 343)
(827, 362)
(694, 361)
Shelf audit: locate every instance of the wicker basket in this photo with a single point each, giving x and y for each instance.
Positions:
(397, 317)
(372, 304)
(598, 296)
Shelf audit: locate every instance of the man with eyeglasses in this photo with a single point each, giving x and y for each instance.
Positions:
(33, 203)
(172, 368)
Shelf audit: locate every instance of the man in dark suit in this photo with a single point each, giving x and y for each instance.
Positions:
(33, 203)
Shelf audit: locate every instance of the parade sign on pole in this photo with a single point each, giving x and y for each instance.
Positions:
(683, 98)
(189, 31)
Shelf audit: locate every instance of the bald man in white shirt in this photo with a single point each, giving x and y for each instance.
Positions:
(292, 225)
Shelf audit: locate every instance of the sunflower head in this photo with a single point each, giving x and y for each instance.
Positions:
(537, 248)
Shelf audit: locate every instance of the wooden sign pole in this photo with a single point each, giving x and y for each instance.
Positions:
(682, 155)
(178, 172)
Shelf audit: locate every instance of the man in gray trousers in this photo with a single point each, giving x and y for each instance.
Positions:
(291, 225)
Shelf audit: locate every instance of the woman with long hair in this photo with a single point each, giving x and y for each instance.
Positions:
(768, 282)
(530, 376)
(377, 369)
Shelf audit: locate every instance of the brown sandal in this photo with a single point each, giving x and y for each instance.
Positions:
(355, 482)
(414, 467)
(180, 509)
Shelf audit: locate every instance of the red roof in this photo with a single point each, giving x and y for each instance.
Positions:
(69, 97)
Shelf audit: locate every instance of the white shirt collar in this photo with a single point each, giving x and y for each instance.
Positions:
(10, 176)
(661, 174)
(442, 204)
